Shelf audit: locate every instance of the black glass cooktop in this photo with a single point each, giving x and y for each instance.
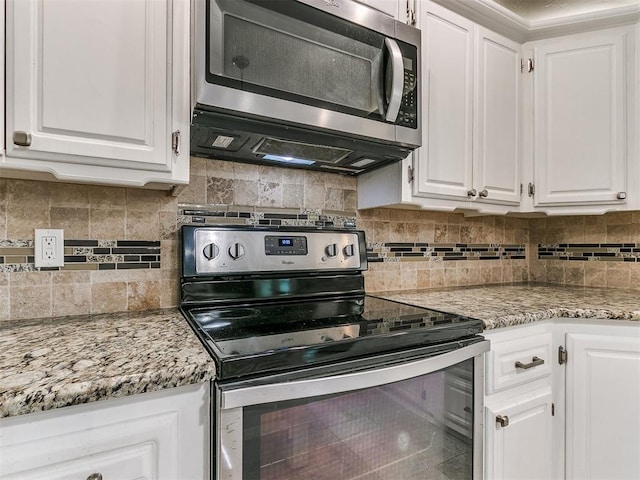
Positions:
(271, 338)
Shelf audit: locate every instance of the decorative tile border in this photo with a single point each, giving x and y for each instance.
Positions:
(397, 252)
(590, 252)
(17, 255)
(221, 214)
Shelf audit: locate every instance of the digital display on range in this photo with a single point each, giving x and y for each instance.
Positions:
(289, 245)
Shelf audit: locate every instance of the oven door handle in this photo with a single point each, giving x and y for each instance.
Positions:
(275, 392)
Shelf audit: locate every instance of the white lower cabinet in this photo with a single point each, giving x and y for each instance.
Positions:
(518, 434)
(519, 412)
(160, 435)
(573, 416)
(603, 405)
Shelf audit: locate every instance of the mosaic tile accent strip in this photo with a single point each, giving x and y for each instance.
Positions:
(398, 252)
(590, 252)
(17, 255)
(216, 215)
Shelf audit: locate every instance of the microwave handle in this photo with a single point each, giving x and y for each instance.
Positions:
(397, 79)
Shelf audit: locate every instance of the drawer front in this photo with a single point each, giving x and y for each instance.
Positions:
(517, 361)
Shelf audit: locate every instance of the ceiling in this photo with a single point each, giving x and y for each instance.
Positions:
(541, 10)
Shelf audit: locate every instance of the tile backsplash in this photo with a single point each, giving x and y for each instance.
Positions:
(122, 247)
(596, 251)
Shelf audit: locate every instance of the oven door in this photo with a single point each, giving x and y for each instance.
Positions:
(341, 67)
(414, 420)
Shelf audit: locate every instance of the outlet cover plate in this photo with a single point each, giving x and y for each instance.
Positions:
(49, 247)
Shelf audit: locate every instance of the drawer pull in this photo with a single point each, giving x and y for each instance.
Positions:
(535, 361)
(95, 476)
(503, 420)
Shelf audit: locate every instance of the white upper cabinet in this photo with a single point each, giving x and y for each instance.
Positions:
(2, 37)
(443, 164)
(471, 113)
(470, 153)
(496, 172)
(581, 109)
(96, 89)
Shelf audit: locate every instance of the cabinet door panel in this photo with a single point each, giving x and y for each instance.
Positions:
(603, 418)
(497, 140)
(523, 448)
(580, 119)
(444, 161)
(90, 79)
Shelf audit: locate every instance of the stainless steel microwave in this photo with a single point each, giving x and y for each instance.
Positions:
(332, 85)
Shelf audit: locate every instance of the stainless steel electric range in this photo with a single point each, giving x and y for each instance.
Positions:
(316, 379)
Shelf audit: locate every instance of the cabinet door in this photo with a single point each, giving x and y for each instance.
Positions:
(602, 414)
(159, 435)
(522, 449)
(580, 102)
(91, 87)
(496, 173)
(443, 163)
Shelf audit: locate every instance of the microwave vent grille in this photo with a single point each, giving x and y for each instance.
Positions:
(307, 151)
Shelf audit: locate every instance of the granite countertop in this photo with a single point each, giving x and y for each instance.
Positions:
(52, 363)
(507, 305)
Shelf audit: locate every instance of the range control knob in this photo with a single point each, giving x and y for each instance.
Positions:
(331, 250)
(210, 251)
(236, 251)
(348, 250)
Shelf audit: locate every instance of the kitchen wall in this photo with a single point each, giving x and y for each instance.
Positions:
(598, 251)
(121, 244)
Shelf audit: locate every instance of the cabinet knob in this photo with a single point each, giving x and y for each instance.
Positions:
(484, 193)
(22, 139)
(621, 195)
(472, 192)
(502, 420)
(95, 476)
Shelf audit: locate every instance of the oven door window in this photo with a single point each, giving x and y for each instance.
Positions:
(419, 428)
(295, 52)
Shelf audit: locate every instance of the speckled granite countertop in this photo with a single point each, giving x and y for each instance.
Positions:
(52, 363)
(507, 305)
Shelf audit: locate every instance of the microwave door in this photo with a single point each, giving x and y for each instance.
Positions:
(297, 53)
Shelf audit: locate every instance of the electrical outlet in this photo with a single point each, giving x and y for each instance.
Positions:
(49, 248)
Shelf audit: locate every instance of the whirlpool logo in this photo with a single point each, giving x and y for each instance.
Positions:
(332, 3)
(288, 262)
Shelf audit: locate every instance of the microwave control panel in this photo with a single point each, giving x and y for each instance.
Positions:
(408, 114)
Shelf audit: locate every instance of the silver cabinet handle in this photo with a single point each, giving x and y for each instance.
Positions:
(22, 139)
(535, 361)
(503, 420)
(95, 476)
(621, 195)
(484, 193)
(472, 192)
(395, 66)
